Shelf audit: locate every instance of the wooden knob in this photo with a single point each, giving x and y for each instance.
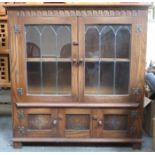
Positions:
(94, 117)
(55, 122)
(74, 60)
(81, 60)
(75, 43)
(100, 123)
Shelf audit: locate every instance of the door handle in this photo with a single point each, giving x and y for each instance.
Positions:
(81, 60)
(75, 43)
(100, 123)
(74, 61)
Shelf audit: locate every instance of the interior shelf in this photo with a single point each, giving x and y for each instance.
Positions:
(106, 59)
(48, 59)
(69, 59)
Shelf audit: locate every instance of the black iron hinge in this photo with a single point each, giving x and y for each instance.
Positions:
(17, 28)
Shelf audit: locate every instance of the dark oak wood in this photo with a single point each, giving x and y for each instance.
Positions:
(17, 145)
(79, 116)
(104, 4)
(137, 146)
(78, 140)
(77, 104)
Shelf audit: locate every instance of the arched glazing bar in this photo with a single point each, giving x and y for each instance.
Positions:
(33, 49)
(48, 41)
(107, 42)
(64, 42)
(107, 71)
(32, 41)
(92, 42)
(123, 42)
(52, 73)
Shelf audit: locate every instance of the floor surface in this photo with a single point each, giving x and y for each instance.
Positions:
(6, 144)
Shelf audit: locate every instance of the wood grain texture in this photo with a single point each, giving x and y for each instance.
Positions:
(79, 140)
(77, 104)
(128, 4)
(56, 109)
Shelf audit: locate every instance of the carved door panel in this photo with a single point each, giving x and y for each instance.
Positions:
(37, 122)
(115, 123)
(76, 123)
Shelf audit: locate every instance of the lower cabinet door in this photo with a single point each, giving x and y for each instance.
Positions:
(37, 122)
(77, 123)
(115, 123)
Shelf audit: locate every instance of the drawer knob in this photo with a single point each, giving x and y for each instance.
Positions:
(55, 122)
(74, 61)
(100, 122)
(75, 43)
(94, 117)
(81, 60)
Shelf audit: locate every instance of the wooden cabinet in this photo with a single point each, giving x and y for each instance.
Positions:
(37, 122)
(116, 123)
(77, 72)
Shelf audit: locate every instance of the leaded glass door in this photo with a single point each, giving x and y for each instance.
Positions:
(49, 71)
(106, 55)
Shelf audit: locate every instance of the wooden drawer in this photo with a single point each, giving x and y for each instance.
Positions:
(37, 122)
(115, 123)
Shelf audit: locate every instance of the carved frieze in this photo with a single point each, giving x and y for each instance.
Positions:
(79, 12)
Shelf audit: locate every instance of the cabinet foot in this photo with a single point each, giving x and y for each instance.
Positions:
(137, 146)
(17, 144)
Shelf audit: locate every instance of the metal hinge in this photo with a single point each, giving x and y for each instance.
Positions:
(17, 28)
(139, 28)
(135, 91)
(21, 130)
(134, 114)
(20, 91)
(132, 131)
(20, 114)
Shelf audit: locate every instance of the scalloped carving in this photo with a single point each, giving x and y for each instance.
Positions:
(79, 12)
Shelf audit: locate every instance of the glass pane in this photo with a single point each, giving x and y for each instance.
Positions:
(77, 122)
(91, 77)
(32, 41)
(107, 42)
(106, 48)
(52, 45)
(92, 42)
(33, 77)
(64, 78)
(107, 74)
(123, 43)
(122, 77)
(48, 42)
(49, 77)
(64, 42)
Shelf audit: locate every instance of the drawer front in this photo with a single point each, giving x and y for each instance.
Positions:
(115, 123)
(76, 122)
(37, 122)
